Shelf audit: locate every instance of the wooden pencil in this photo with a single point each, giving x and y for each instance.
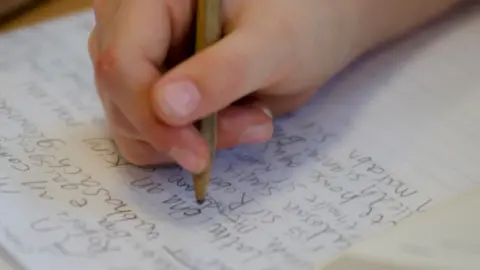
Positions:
(208, 31)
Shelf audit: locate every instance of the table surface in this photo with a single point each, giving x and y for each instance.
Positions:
(48, 10)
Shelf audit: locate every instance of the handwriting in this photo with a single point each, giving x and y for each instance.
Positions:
(195, 263)
(106, 148)
(285, 204)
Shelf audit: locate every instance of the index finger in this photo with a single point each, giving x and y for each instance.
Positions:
(249, 59)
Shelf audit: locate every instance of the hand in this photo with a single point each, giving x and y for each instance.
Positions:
(275, 52)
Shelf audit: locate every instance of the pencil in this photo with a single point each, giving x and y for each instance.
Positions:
(208, 31)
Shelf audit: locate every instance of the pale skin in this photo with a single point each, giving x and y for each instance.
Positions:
(276, 52)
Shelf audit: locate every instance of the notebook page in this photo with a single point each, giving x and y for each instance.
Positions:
(443, 238)
(387, 139)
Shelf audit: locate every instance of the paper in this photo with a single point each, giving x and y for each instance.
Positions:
(390, 138)
(443, 238)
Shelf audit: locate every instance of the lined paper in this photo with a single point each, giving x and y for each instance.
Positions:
(389, 138)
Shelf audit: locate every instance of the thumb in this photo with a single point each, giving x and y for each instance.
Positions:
(246, 60)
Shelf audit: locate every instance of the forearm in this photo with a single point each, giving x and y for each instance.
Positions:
(378, 21)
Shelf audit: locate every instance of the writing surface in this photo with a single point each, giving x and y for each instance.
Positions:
(445, 237)
(378, 144)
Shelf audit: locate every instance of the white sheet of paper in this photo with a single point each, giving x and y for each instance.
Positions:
(388, 138)
(443, 238)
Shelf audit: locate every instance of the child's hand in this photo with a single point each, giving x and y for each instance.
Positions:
(277, 51)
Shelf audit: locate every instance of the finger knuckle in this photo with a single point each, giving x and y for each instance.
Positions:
(107, 60)
(106, 70)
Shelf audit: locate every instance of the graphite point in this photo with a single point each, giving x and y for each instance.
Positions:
(200, 202)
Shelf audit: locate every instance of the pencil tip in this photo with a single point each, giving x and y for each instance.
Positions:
(200, 202)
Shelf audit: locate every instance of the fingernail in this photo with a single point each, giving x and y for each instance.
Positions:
(187, 159)
(257, 133)
(268, 112)
(179, 99)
